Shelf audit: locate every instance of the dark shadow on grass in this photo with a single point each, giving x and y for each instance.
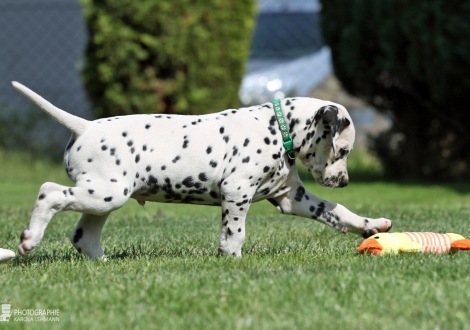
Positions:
(46, 257)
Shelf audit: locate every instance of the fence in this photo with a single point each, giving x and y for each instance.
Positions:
(41, 45)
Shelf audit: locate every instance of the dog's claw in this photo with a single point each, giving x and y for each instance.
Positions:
(24, 248)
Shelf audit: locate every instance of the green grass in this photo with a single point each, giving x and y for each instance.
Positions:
(164, 273)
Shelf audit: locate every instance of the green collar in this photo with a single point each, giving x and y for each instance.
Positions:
(286, 138)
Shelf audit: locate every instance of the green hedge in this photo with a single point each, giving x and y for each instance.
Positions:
(166, 56)
(411, 57)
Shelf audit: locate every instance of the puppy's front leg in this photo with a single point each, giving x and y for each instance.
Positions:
(298, 201)
(235, 205)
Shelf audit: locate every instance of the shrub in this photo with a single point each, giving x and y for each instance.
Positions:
(167, 56)
(410, 58)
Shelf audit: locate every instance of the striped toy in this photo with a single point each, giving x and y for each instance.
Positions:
(423, 242)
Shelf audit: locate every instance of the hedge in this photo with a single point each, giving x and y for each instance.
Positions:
(166, 56)
(410, 58)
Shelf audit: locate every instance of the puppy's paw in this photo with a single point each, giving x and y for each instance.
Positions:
(27, 245)
(225, 250)
(374, 226)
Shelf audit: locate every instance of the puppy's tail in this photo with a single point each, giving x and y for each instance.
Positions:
(76, 124)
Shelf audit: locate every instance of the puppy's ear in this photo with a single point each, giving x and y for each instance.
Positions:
(329, 115)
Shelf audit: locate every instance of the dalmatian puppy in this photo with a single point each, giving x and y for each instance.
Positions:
(230, 159)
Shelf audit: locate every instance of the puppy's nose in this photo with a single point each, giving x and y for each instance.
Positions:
(343, 183)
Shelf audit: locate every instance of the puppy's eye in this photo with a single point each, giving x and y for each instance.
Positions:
(376, 237)
(343, 152)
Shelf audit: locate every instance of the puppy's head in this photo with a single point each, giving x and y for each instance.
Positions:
(331, 137)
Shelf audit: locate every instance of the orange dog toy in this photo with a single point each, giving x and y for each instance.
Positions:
(423, 242)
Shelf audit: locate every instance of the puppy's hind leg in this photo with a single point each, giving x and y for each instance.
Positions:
(86, 236)
(54, 198)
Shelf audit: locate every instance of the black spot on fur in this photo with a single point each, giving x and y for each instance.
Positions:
(202, 177)
(247, 141)
(320, 209)
(246, 160)
(148, 168)
(104, 147)
(78, 235)
(266, 169)
(221, 130)
(124, 134)
(299, 194)
(188, 182)
(226, 138)
(272, 120)
(176, 159)
(213, 163)
(91, 191)
(209, 150)
(130, 143)
(147, 126)
(137, 158)
(126, 191)
(267, 140)
(108, 199)
(42, 196)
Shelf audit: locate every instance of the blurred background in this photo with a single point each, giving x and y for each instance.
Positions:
(401, 68)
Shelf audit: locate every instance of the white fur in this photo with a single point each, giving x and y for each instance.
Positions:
(232, 159)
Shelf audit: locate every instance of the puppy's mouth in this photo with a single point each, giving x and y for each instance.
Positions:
(338, 181)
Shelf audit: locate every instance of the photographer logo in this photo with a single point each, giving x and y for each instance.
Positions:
(28, 315)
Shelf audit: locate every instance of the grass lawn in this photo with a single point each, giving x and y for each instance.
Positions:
(164, 273)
